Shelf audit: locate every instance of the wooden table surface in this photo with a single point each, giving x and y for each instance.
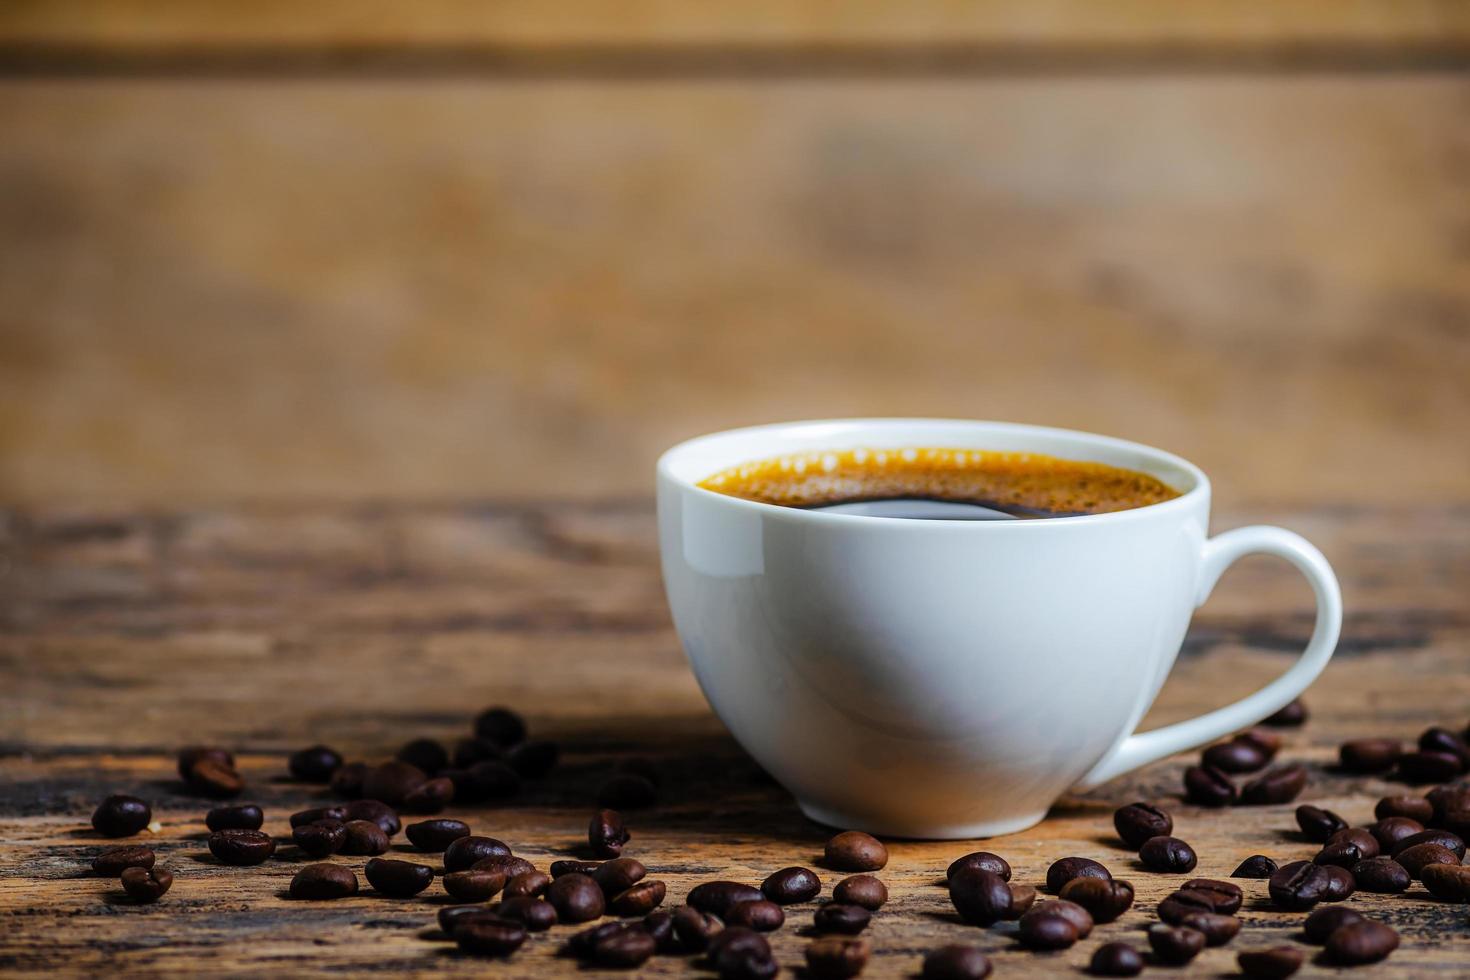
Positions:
(126, 635)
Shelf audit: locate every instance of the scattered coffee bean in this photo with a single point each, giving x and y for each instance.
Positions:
(836, 957)
(864, 890)
(791, 885)
(1443, 740)
(1275, 963)
(1429, 767)
(209, 776)
(1255, 866)
(694, 929)
(455, 914)
(469, 751)
(1348, 847)
(1366, 755)
(1279, 785)
(1053, 925)
(1382, 874)
(1318, 824)
(121, 816)
(463, 852)
(716, 897)
(424, 754)
(533, 913)
(1291, 716)
(115, 860)
(203, 753)
(1414, 807)
(983, 860)
(1225, 897)
(1105, 899)
(559, 868)
(1217, 929)
(837, 917)
(1416, 858)
(533, 759)
(956, 962)
(1175, 908)
(1207, 786)
(1137, 822)
(1022, 898)
(317, 840)
(430, 796)
(1234, 757)
(146, 884)
(489, 936)
(762, 915)
(500, 725)
(1167, 855)
(853, 850)
(1299, 885)
(348, 779)
(1175, 944)
(737, 942)
(640, 899)
(1324, 922)
(980, 897)
(606, 834)
(1070, 868)
(527, 883)
(363, 837)
(377, 811)
(323, 882)
(1450, 842)
(627, 791)
(473, 886)
(618, 875)
(577, 898)
(392, 781)
(245, 816)
(624, 949)
(398, 879)
(303, 817)
(1390, 830)
(484, 782)
(1445, 799)
(580, 944)
(314, 764)
(1340, 883)
(1267, 741)
(433, 836)
(1115, 960)
(508, 865)
(241, 847)
(660, 925)
(1362, 942)
(1450, 882)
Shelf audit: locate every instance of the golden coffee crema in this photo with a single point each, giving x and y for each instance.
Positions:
(1021, 484)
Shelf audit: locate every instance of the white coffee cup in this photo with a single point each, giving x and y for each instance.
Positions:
(950, 679)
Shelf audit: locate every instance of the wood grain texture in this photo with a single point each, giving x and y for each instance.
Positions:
(125, 634)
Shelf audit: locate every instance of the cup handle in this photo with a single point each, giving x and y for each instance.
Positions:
(1219, 553)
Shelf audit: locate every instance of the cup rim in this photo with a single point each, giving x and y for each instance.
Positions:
(1185, 501)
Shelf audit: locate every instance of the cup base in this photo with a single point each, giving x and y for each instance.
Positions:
(919, 830)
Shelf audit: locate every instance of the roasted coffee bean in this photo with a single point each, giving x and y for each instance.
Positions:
(455, 914)
(1175, 908)
(660, 925)
(502, 726)
(241, 847)
(303, 817)
(1416, 858)
(314, 764)
(115, 860)
(245, 816)
(1175, 944)
(534, 759)
(319, 839)
(576, 898)
(1225, 897)
(606, 834)
(1300, 885)
(1450, 882)
(580, 944)
(1047, 926)
(1318, 824)
(1291, 716)
(1255, 866)
(489, 936)
(836, 958)
(864, 890)
(1022, 898)
(469, 751)
(1367, 755)
(1167, 855)
(1115, 960)
(1347, 848)
(625, 949)
(559, 868)
(430, 796)
(627, 791)
(1429, 767)
(1361, 942)
(398, 879)
(761, 915)
(483, 782)
(1137, 822)
(391, 782)
(1340, 885)
(1445, 839)
(363, 837)
(1324, 922)
(463, 852)
(1217, 929)
(323, 882)
(532, 883)
(983, 860)
(145, 885)
(694, 929)
(1104, 898)
(618, 875)
(1443, 740)
(956, 962)
(1414, 807)
(348, 779)
(1390, 830)
(203, 753)
(791, 885)
(716, 897)
(1069, 868)
(735, 942)
(433, 836)
(121, 816)
(837, 917)
(533, 913)
(747, 966)
(424, 754)
(1280, 785)
(1275, 963)
(1206, 786)
(508, 865)
(1267, 741)
(1234, 757)
(473, 886)
(210, 777)
(980, 897)
(641, 899)
(1382, 874)
(1442, 800)
(377, 811)
(853, 850)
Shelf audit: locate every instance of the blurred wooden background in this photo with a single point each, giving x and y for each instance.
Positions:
(442, 249)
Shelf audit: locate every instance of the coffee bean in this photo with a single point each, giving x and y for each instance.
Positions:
(1414, 807)
(716, 897)
(980, 897)
(836, 957)
(1267, 741)
(1137, 822)
(1299, 885)
(303, 817)
(424, 754)
(469, 751)
(1275, 963)
(1279, 785)
(348, 779)
(1324, 922)
(1450, 882)
(146, 884)
(1047, 925)
(433, 836)
(627, 791)
(618, 875)
(853, 850)
(1234, 757)
(1115, 960)
(747, 966)
(505, 864)
(735, 942)
(1340, 885)
(983, 860)
(864, 890)
(377, 811)
(1445, 839)
(200, 753)
(1217, 929)
(115, 860)
(606, 834)
(1225, 897)
(791, 885)
(694, 929)
(640, 899)
(761, 915)
(430, 796)
(1291, 716)
(580, 944)
(1255, 866)
(1022, 898)
(1382, 874)
(363, 837)
(1318, 824)
(956, 962)
(121, 816)
(1347, 848)
(500, 725)
(837, 917)
(246, 816)
(398, 879)
(1429, 767)
(319, 839)
(1178, 906)
(1443, 740)
(1443, 800)
(1068, 868)
(392, 781)
(1361, 942)
(1416, 858)
(577, 898)
(534, 759)
(489, 936)
(241, 847)
(484, 782)
(624, 950)
(1167, 855)
(1390, 830)
(209, 776)
(1206, 786)
(463, 852)
(660, 925)
(1104, 898)
(533, 913)
(559, 868)
(1365, 755)
(473, 886)
(1175, 945)
(453, 915)
(323, 882)
(528, 883)
(314, 764)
